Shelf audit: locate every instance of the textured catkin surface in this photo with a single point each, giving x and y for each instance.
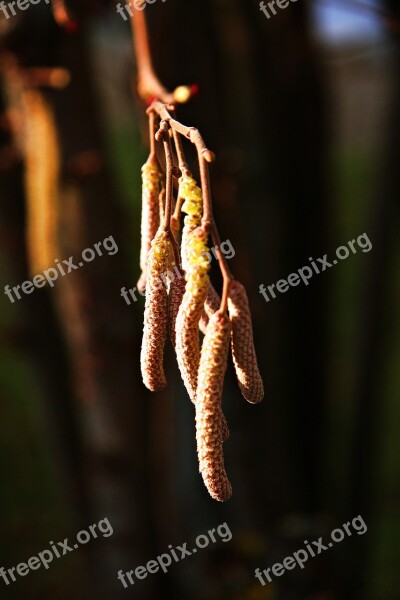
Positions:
(213, 361)
(211, 305)
(151, 177)
(155, 314)
(175, 297)
(243, 351)
(193, 207)
(187, 329)
(42, 160)
(195, 265)
(198, 289)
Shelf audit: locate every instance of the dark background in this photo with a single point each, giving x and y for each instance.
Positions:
(303, 112)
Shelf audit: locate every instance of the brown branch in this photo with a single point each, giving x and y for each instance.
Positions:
(223, 265)
(163, 105)
(149, 85)
(208, 222)
(191, 133)
(163, 134)
(152, 136)
(184, 169)
(182, 163)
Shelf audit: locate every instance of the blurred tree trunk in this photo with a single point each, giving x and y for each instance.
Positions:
(100, 343)
(374, 335)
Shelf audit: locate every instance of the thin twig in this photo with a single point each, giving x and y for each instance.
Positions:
(182, 163)
(163, 133)
(177, 212)
(223, 265)
(152, 135)
(204, 156)
(208, 222)
(191, 133)
(184, 168)
(149, 86)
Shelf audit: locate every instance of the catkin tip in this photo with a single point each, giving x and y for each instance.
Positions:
(242, 343)
(209, 417)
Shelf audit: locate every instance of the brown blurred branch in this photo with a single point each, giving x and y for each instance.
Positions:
(149, 85)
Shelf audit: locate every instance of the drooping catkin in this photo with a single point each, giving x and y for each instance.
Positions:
(187, 329)
(213, 361)
(243, 351)
(196, 267)
(190, 312)
(151, 177)
(42, 170)
(189, 348)
(155, 314)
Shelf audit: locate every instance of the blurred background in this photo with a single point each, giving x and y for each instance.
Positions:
(303, 112)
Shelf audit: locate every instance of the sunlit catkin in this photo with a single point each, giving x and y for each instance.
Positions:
(155, 314)
(190, 311)
(213, 361)
(190, 192)
(243, 351)
(175, 297)
(151, 177)
(187, 331)
(42, 171)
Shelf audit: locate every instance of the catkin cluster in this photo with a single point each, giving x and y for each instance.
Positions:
(187, 305)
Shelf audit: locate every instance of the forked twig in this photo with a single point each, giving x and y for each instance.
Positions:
(163, 105)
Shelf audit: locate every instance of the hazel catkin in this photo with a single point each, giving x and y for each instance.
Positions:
(187, 330)
(196, 266)
(213, 362)
(175, 297)
(198, 289)
(151, 177)
(243, 351)
(155, 314)
(190, 192)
